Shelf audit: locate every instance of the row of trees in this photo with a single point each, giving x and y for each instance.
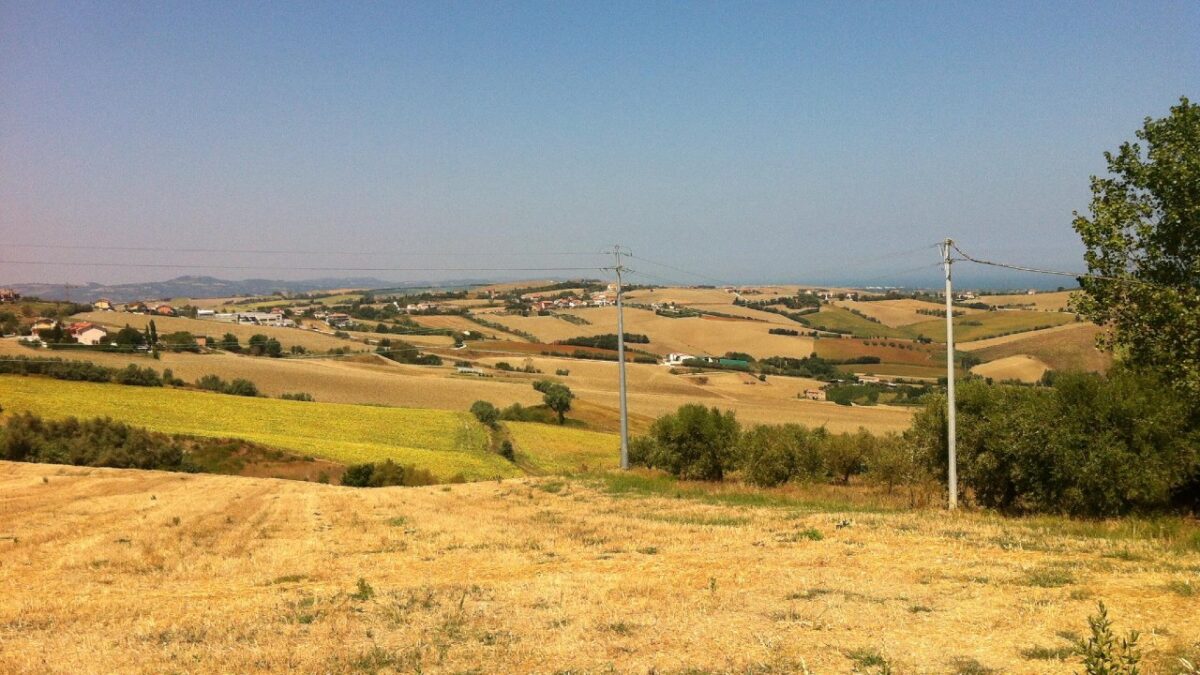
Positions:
(698, 443)
(97, 442)
(1090, 445)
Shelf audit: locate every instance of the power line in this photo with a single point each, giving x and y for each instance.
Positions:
(423, 254)
(301, 268)
(1037, 270)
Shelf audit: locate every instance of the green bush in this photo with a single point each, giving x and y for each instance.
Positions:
(771, 455)
(140, 377)
(694, 443)
(241, 387)
(96, 442)
(297, 396)
(386, 473)
(1088, 446)
(486, 413)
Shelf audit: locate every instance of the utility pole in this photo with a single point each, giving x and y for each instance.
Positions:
(950, 403)
(621, 361)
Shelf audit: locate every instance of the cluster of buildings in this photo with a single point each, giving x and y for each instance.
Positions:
(84, 332)
(276, 317)
(139, 307)
(9, 295)
(539, 304)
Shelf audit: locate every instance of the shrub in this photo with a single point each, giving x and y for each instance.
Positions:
(771, 455)
(1088, 446)
(140, 377)
(486, 413)
(1104, 654)
(297, 396)
(386, 473)
(241, 387)
(847, 454)
(695, 443)
(211, 383)
(506, 450)
(96, 442)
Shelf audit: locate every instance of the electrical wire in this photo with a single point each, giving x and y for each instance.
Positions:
(1037, 270)
(423, 254)
(300, 268)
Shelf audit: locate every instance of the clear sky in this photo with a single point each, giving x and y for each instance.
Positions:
(740, 140)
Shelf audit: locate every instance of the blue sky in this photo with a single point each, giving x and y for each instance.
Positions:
(741, 141)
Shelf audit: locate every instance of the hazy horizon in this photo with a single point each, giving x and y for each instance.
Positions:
(815, 143)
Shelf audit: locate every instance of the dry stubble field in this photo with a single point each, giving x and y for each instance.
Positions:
(130, 571)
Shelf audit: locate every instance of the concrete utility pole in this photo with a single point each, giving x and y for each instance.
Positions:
(621, 360)
(950, 403)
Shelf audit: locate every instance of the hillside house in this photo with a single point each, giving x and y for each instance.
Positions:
(262, 319)
(137, 307)
(678, 359)
(164, 310)
(87, 333)
(337, 320)
(103, 305)
(869, 379)
(9, 295)
(42, 323)
(815, 394)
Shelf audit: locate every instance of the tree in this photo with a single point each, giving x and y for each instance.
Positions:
(693, 443)
(230, 343)
(274, 348)
(558, 397)
(129, 336)
(486, 413)
(258, 344)
(1143, 237)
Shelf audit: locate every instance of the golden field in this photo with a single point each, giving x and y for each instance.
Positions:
(897, 313)
(653, 391)
(1054, 301)
(445, 443)
(1069, 347)
(1021, 367)
(147, 572)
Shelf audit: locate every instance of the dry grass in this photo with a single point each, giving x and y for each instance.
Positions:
(1055, 301)
(1021, 367)
(1071, 347)
(133, 571)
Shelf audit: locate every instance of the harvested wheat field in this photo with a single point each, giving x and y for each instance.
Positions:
(1055, 301)
(1020, 367)
(700, 335)
(1071, 347)
(130, 571)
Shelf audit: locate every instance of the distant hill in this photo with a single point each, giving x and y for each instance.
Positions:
(193, 287)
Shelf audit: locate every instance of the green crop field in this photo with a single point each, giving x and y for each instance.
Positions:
(974, 326)
(446, 443)
(840, 319)
(983, 325)
(554, 449)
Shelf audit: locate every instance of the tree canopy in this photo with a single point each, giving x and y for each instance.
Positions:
(1142, 239)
